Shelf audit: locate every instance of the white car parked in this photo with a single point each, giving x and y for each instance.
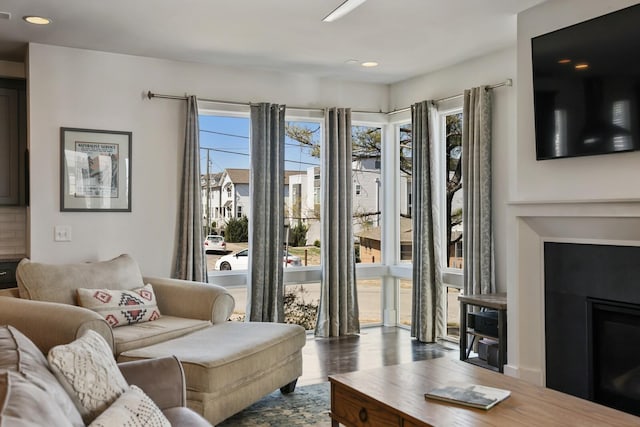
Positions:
(240, 261)
(214, 243)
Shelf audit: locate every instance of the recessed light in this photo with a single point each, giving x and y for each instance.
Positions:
(564, 61)
(37, 20)
(582, 66)
(370, 64)
(352, 61)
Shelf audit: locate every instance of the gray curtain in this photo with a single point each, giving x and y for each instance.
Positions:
(428, 320)
(190, 261)
(338, 308)
(476, 187)
(266, 219)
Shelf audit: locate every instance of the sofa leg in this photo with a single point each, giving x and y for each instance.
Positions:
(289, 388)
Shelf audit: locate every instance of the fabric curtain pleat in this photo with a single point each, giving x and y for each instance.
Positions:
(478, 247)
(338, 308)
(428, 319)
(190, 260)
(266, 220)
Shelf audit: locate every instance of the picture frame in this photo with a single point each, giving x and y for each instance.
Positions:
(95, 170)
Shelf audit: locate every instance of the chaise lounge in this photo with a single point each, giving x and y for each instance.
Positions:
(227, 365)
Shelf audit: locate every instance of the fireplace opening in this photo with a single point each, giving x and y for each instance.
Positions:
(613, 333)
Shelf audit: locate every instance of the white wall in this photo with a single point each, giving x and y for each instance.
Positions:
(585, 178)
(97, 90)
(584, 200)
(490, 69)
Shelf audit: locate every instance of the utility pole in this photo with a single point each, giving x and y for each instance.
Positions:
(208, 194)
(208, 181)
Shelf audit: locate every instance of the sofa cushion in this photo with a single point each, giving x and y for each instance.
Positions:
(19, 354)
(133, 408)
(58, 283)
(149, 333)
(121, 308)
(227, 355)
(24, 404)
(87, 370)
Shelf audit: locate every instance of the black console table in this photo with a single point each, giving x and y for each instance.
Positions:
(496, 302)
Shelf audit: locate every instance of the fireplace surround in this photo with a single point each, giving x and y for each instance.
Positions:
(592, 322)
(530, 224)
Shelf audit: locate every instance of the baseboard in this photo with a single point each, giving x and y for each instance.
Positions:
(533, 376)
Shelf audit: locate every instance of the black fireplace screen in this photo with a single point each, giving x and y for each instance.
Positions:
(614, 342)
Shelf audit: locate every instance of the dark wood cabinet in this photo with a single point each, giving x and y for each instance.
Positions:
(497, 302)
(8, 274)
(13, 142)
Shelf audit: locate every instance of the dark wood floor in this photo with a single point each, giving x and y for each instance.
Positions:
(373, 348)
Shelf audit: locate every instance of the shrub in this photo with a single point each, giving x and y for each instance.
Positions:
(237, 230)
(299, 312)
(298, 235)
(316, 243)
(296, 310)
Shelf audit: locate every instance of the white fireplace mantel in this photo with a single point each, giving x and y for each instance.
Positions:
(531, 223)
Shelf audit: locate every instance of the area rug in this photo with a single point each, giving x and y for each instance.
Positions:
(306, 406)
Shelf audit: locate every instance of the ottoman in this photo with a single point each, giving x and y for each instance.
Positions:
(228, 366)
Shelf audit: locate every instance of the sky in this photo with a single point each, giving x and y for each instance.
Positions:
(226, 139)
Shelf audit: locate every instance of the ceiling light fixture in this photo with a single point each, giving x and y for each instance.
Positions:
(582, 66)
(37, 20)
(369, 64)
(346, 7)
(564, 61)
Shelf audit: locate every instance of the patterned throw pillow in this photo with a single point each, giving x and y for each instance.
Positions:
(121, 308)
(89, 373)
(134, 409)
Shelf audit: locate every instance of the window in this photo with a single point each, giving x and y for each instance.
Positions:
(367, 218)
(449, 133)
(302, 190)
(224, 164)
(404, 175)
(405, 291)
(366, 173)
(225, 167)
(452, 140)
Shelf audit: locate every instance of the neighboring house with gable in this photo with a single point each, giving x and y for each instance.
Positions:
(225, 195)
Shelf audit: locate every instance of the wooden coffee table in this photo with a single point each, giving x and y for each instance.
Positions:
(394, 396)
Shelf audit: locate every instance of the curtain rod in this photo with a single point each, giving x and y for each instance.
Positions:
(150, 95)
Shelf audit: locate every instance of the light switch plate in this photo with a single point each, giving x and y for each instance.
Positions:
(62, 233)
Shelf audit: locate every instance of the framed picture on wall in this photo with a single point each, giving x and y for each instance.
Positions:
(95, 170)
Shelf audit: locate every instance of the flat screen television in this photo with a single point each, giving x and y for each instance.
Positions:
(586, 83)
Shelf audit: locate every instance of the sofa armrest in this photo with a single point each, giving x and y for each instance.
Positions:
(162, 379)
(49, 324)
(193, 300)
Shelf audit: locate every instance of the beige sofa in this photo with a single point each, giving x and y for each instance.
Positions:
(227, 365)
(26, 379)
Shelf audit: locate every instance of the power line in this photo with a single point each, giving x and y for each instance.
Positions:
(224, 134)
(247, 155)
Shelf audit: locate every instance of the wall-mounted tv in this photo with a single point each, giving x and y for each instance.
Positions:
(586, 83)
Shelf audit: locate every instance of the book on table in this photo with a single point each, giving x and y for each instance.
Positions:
(474, 395)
